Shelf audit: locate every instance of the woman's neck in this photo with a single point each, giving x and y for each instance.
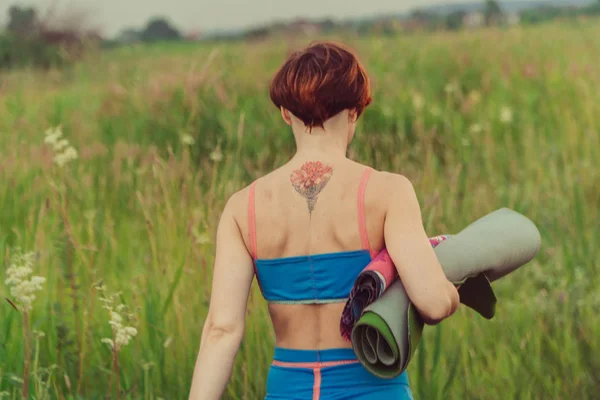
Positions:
(321, 143)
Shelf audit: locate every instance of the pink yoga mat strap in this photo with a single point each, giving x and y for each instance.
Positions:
(362, 222)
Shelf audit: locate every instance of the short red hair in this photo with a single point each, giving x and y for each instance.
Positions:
(319, 82)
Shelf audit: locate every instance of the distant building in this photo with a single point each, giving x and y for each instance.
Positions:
(257, 33)
(414, 24)
(387, 26)
(302, 27)
(298, 27)
(129, 36)
(193, 36)
(513, 19)
(474, 19)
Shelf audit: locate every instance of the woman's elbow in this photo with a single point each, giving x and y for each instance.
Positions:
(434, 314)
(216, 331)
(437, 308)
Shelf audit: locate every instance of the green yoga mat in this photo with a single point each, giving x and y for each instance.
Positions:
(387, 334)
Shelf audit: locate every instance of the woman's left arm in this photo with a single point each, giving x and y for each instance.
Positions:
(224, 326)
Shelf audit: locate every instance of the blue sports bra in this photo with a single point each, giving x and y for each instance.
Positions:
(311, 279)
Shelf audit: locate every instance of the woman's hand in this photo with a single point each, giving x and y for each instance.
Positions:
(224, 326)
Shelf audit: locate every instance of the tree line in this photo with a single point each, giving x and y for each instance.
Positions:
(32, 40)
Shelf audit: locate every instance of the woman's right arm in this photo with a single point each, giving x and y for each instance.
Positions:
(426, 285)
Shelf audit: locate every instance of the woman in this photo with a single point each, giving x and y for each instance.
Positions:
(306, 230)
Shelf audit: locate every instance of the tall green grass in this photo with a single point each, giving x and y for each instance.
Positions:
(477, 120)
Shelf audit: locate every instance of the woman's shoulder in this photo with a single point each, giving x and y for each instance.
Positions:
(387, 190)
(241, 200)
(390, 179)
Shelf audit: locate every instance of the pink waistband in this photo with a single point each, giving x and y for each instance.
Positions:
(313, 365)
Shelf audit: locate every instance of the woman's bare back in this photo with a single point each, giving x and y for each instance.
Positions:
(310, 207)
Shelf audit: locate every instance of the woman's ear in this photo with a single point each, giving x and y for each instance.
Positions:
(352, 115)
(285, 114)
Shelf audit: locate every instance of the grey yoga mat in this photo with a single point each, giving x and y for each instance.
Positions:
(389, 330)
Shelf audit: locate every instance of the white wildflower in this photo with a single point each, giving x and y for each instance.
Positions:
(115, 319)
(187, 139)
(125, 335)
(451, 87)
(68, 155)
(506, 115)
(475, 96)
(60, 159)
(71, 153)
(61, 144)
(130, 330)
(64, 152)
(216, 155)
(167, 342)
(22, 285)
(418, 101)
(475, 128)
(201, 238)
(122, 333)
(52, 135)
(38, 334)
(147, 365)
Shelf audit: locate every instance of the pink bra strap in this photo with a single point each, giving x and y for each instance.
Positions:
(362, 222)
(252, 221)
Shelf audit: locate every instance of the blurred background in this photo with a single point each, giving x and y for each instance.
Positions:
(126, 125)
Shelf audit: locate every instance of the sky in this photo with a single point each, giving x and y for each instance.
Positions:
(209, 15)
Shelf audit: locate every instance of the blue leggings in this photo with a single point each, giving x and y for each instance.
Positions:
(332, 374)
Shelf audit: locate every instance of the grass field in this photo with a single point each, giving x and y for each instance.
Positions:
(477, 120)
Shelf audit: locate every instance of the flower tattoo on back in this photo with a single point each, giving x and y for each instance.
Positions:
(310, 180)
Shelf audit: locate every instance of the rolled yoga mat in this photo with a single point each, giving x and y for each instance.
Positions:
(389, 329)
(370, 284)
